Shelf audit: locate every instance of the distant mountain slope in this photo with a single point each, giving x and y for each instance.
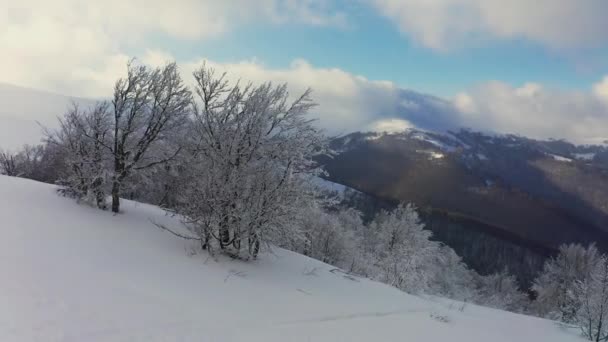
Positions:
(23, 110)
(534, 194)
(74, 273)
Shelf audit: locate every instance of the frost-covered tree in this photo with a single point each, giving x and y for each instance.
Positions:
(331, 237)
(252, 150)
(135, 132)
(161, 184)
(9, 164)
(148, 106)
(42, 162)
(553, 286)
(82, 135)
(590, 296)
(401, 249)
(451, 277)
(501, 291)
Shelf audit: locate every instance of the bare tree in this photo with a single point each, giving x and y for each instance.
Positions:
(82, 135)
(500, 290)
(8, 163)
(252, 150)
(148, 105)
(554, 285)
(591, 296)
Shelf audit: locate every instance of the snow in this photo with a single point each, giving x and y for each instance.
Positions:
(584, 156)
(74, 273)
(432, 154)
(424, 137)
(375, 136)
(482, 156)
(24, 111)
(560, 158)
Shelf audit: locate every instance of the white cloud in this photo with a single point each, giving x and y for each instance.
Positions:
(78, 48)
(347, 102)
(535, 111)
(600, 90)
(444, 24)
(391, 125)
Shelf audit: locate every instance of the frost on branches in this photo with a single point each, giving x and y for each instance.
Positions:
(573, 288)
(555, 284)
(82, 136)
(591, 297)
(252, 150)
(110, 143)
(402, 250)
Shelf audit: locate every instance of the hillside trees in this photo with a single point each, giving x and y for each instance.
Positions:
(252, 151)
(236, 162)
(501, 291)
(591, 299)
(8, 164)
(42, 162)
(82, 135)
(134, 132)
(401, 249)
(332, 237)
(573, 288)
(554, 286)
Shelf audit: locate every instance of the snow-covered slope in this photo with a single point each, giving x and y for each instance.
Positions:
(73, 273)
(23, 110)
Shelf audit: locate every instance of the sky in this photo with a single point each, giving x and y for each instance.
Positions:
(536, 68)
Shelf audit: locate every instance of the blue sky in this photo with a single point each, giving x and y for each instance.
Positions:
(374, 48)
(537, 68)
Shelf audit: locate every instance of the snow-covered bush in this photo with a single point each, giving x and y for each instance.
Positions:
(501, 291)
(451, 277)
(82, 136)
(590, 297)
(554, 285)
(332, 238)
(401, 250)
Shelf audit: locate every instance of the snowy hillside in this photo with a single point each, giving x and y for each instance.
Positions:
(74, 273)
(23, 110)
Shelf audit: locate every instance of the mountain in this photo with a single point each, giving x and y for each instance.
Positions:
(24, 111)
(498, 200)
(74, 273)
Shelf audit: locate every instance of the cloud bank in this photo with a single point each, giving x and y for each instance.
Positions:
(445, 24)
(536, 111)
(349, 102)
(75, 47)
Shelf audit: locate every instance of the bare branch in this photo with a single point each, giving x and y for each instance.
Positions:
(185, 237)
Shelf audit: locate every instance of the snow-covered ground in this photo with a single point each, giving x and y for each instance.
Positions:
(74, 273)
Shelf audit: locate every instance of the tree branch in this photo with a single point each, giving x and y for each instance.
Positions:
(185, 237)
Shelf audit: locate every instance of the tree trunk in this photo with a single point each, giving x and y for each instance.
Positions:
(119, 175)
(115, 196)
